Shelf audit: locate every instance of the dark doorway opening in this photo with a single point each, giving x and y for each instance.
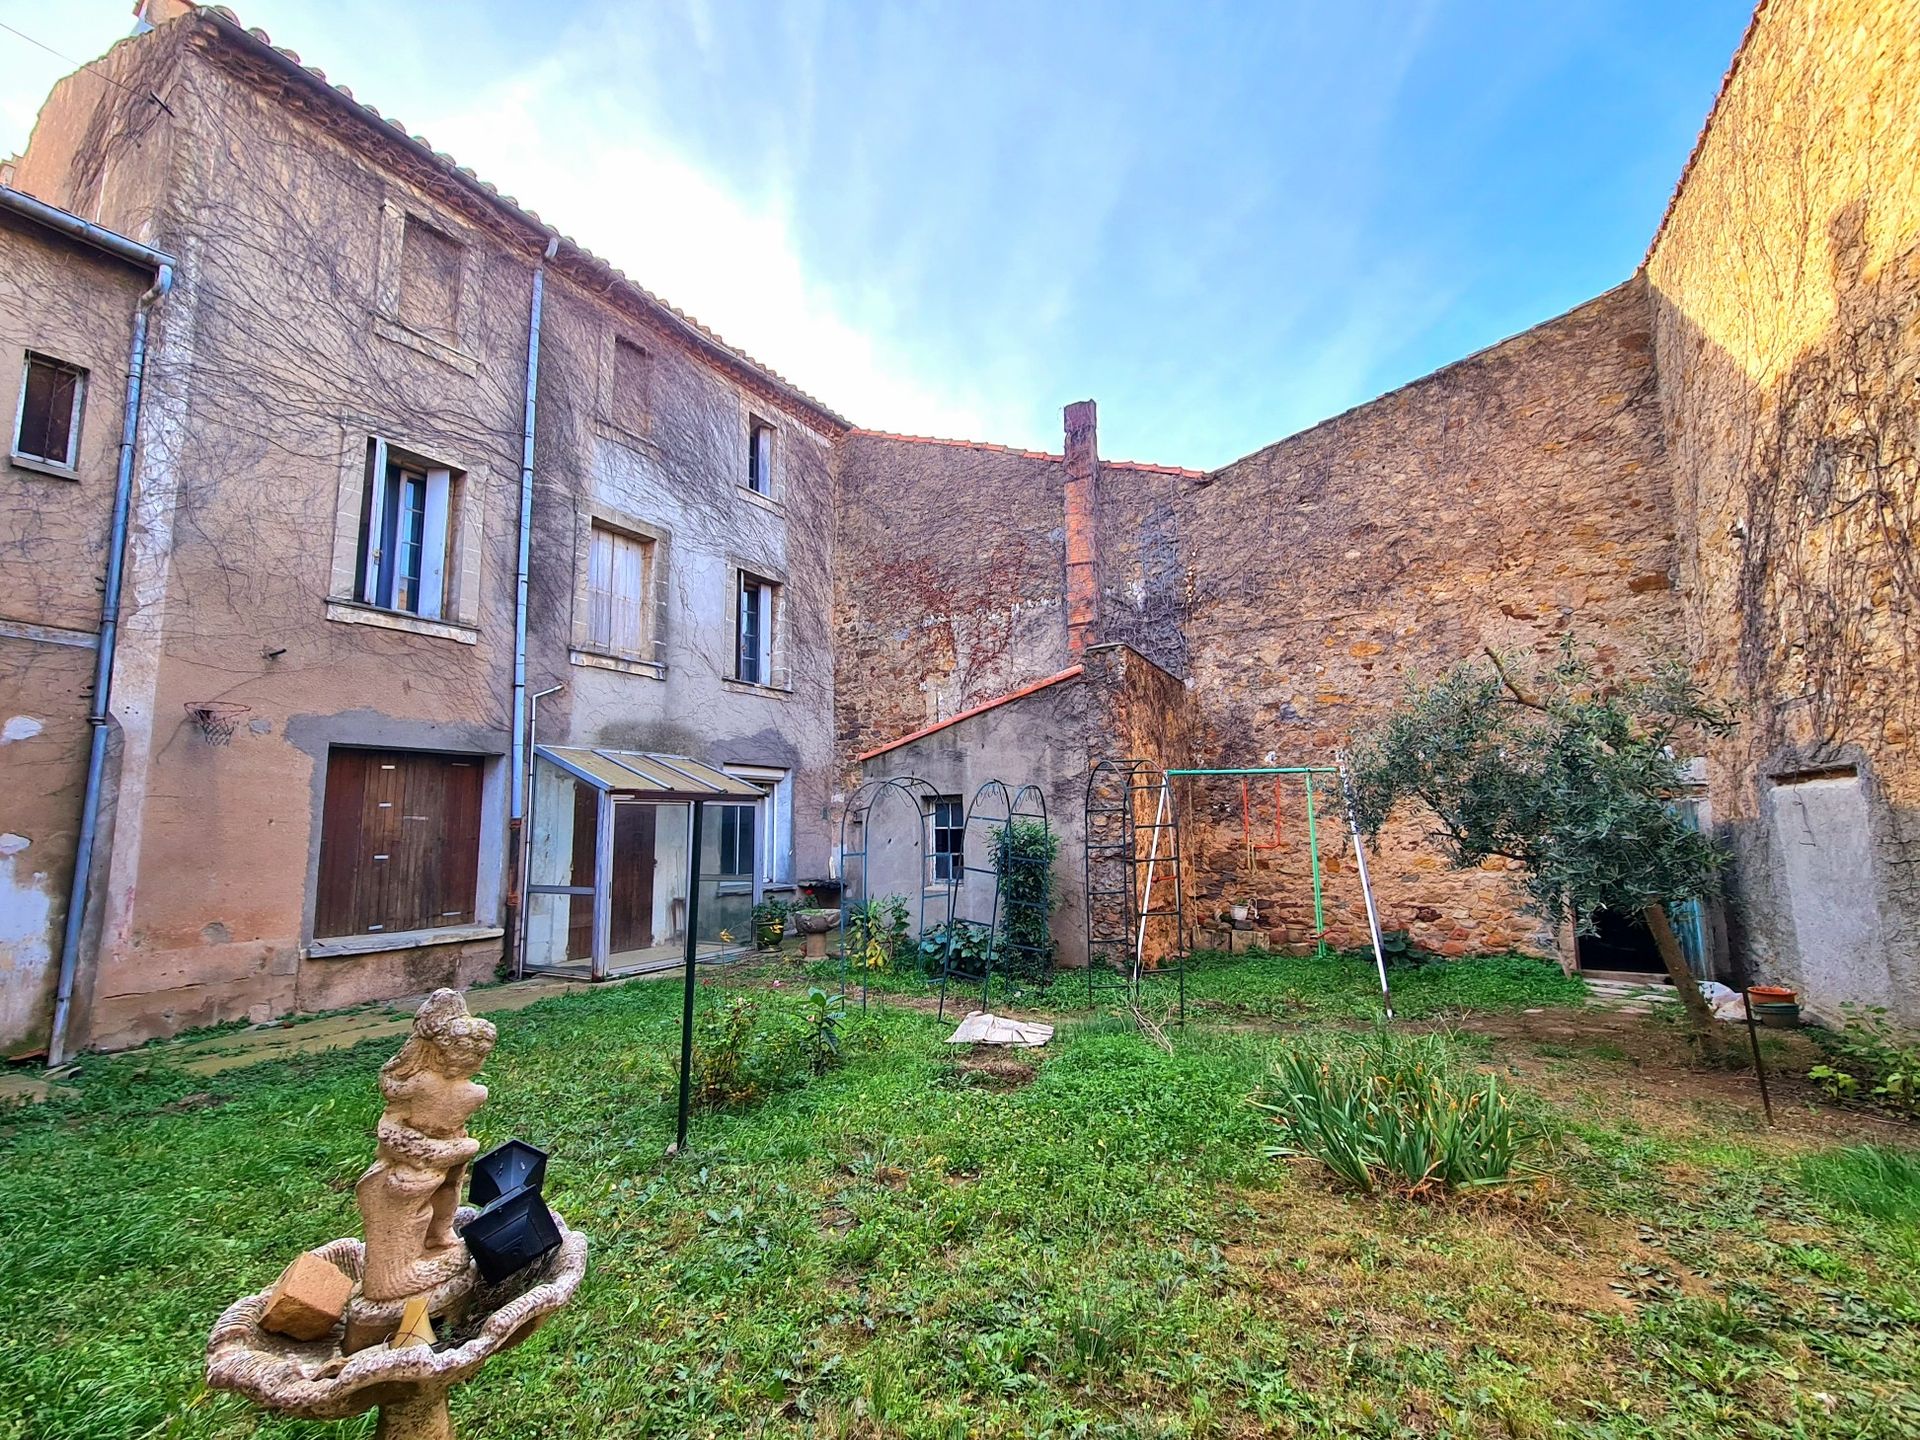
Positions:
(1621, 942)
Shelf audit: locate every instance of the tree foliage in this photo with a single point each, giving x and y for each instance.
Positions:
(1567, 777)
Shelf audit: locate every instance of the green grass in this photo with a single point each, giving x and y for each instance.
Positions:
(1267, 985)
(907, 1247)
(1871, 1180)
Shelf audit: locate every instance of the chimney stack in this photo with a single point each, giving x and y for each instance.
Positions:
(1083, 582)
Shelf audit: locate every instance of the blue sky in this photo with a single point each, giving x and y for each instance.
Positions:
(1222, 221)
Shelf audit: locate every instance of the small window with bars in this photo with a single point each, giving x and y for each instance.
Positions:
(46, 426)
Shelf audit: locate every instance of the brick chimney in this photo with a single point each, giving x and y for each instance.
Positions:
(1083, 469)
(150, 13)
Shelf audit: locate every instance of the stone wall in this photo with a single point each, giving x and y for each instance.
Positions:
(949, 565)
(1511, 499)
(1786, 295)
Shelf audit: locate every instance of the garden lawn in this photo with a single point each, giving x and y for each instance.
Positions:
(1088, 1241)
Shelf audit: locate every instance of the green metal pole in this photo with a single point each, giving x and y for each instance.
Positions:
(1313, 847)
(1266, 770)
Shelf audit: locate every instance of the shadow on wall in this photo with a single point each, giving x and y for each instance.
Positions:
(1795, 432)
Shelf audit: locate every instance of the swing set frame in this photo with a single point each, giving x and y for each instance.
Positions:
(1129, 889)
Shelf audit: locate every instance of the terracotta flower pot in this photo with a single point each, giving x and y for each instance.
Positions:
(1771, 994)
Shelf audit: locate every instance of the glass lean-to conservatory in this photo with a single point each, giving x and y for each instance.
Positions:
(608, 869)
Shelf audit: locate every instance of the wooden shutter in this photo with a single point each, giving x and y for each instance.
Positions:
(600, 588)
(399, 842)
(373, 538)
(433, 544)
(629, 593)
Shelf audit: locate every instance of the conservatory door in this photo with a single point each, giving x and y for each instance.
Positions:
(729, 874)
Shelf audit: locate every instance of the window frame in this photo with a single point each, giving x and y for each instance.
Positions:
(76, 413)
(956, 872)
(753, 594)
(761, 462)
(375, 582)
(776, 830)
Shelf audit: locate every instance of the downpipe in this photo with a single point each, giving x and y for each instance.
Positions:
(99, 715)
(517, 801)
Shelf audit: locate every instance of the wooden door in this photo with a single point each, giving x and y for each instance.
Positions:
(631, 924)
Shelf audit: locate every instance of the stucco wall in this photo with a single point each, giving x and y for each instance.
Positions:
(676, 472)
(1786, 294)
(1042, 740)
(69, 303)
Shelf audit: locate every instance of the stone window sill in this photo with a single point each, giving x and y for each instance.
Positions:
(765, 502)
(433, 349)
(744, 687)
(621, 664)
(42, 467)
(353, 612)
(339, 946)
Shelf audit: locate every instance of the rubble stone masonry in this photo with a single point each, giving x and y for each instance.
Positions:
(1786, 296)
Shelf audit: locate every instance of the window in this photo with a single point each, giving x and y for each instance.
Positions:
(619, 569)
(776, 861)
(404, 529)
(629, 400)
(760, 457)
(429, 281)
(47, 427)
(756, 613)
(946, 840)
(736, 844)
(399, 842)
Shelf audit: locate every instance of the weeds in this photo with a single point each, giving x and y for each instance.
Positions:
(1397, 1112)
(1872, 1180)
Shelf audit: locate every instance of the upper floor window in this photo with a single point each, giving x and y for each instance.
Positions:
(430, 280)
(619, 574)
(760, 457)
(946, 839)
(46, 428)
(756, 613)
(405, 525)
(628, 398)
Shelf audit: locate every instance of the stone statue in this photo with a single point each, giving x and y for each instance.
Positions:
(413, 1253)
(410, 1193)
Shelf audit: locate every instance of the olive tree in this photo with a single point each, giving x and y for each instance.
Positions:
(1567, 777)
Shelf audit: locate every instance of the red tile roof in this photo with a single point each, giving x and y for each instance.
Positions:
(1072, 672)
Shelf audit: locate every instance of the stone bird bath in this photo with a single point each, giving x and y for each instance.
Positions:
(413, 1251)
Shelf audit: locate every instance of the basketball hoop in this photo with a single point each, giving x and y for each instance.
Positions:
(216, 720)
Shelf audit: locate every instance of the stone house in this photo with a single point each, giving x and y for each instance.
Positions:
(409, 459)
(337, 444)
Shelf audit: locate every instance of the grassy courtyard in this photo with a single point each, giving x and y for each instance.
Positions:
(1089, 1241)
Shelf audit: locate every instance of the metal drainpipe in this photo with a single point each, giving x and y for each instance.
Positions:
(517, 802)
(98, 716)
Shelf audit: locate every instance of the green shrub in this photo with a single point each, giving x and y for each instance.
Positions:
(1870, 1059)
(820, 1029)
(1398, 1112)
(1871, 1180)
(1023, 853)
(969, 941)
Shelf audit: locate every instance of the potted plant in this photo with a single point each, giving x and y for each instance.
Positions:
(770, 923)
